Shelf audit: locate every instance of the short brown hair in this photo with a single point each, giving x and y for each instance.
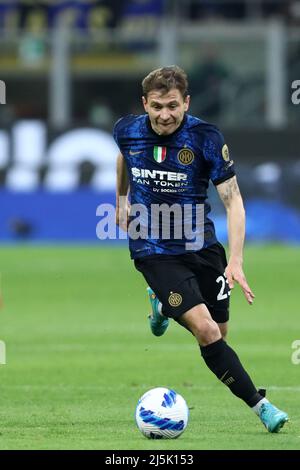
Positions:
(166, 79)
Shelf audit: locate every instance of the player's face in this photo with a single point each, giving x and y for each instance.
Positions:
(166, 111)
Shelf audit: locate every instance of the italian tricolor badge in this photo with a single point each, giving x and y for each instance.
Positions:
(159, 154)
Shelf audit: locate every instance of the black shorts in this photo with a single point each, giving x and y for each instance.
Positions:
(183, 281)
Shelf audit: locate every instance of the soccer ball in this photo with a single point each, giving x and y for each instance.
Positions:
(161, 413)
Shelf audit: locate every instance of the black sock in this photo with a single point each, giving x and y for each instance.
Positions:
(225, 364)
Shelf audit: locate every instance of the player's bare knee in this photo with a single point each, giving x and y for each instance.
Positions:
(207, 332)
(199, 321)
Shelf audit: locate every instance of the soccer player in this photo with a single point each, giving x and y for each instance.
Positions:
(167, 159)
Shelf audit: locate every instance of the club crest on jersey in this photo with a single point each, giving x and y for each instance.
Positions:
(185, 156)
(159, 154)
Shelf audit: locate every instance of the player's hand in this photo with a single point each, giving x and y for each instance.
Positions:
(122, 215)
(234, 273)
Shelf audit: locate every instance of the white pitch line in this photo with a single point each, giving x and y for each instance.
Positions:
(283, 389)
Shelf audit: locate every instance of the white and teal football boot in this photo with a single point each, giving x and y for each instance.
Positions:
(158, 322)
(272, 417)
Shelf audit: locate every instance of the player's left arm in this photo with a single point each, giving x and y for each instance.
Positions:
(230, 194)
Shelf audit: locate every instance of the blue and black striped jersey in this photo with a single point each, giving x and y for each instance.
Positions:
(174, 170)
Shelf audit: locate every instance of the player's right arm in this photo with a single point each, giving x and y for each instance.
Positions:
(122, 204)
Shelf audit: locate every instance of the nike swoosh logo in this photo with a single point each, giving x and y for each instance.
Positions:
(134, 153)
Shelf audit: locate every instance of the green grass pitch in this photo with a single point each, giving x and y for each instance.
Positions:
(80, 353)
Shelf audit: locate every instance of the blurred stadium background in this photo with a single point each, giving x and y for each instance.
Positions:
(71, 69)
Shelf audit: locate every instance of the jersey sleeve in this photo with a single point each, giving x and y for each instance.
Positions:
(216, 153)
(116, 131)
